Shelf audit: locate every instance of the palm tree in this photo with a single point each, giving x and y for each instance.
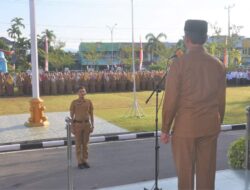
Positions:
(15, 31)
(50, 36)
(154, 44)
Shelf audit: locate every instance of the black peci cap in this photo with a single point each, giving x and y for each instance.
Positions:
(196, 27)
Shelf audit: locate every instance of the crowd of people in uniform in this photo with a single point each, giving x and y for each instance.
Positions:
(238, 78)
(57, 83)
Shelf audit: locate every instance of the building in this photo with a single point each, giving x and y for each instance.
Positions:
(99, 54)
(240, 43)
(104, 55)
(7, 42)
(111, 55)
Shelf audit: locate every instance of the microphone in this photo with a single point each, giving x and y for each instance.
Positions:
(178, 53)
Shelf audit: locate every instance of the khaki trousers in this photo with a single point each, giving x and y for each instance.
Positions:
(195, 156)
(82, 133)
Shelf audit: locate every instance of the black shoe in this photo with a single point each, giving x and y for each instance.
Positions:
(80, 166)
(85, 165)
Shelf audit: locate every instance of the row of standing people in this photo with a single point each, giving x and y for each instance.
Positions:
(6, 84)
(53, 83)
(238, 78)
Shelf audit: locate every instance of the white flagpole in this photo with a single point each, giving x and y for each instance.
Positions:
(37, 117)
(135, 107)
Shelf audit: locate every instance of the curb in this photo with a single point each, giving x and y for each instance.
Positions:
(97, 139)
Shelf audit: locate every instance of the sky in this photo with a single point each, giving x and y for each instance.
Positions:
(75, 21)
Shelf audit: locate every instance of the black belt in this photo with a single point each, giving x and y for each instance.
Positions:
(77, 121)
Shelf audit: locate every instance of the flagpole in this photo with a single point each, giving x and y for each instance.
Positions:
(135, 110)
(37, 118)
(46, 65)
(141, 55)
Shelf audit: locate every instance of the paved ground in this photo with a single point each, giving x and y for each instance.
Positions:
(226, 179)
(12, 128)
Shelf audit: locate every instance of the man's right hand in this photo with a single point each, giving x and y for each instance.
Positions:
(165, 138)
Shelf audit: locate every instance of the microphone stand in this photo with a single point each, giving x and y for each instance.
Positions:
(157, 147)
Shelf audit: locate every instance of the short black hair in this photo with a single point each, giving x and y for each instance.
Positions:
(81, 88)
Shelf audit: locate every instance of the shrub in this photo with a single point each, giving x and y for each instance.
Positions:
(236, 154)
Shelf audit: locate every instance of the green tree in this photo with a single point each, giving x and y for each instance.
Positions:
(91, 54)
(154, 45)
(3, 45)
(180, 45)
(234, 54)
(15, 30)
(51, 37)
(126, 56)
(218, 45)
(216, 48)
(60, 59)
(21, 44)
(163, 57)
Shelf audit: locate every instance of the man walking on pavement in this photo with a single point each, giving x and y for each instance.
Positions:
(195, 100)
(81, 112)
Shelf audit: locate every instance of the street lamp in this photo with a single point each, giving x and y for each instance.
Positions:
(111, 28)
(228, 14)
(228, 8)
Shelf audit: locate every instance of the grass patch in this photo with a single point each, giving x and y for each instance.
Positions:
(114, 107)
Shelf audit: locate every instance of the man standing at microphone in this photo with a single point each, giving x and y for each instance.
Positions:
(195, 101)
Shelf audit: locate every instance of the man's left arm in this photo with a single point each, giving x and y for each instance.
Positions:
(222, 95)
(91, 113)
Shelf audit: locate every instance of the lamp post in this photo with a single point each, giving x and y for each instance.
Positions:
(111, 28)
(228, 14)
(228, 8)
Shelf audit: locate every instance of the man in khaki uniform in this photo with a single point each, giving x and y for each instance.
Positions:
(81, 112)
(195, 100)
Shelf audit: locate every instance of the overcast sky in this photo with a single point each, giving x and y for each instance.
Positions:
(74, 21)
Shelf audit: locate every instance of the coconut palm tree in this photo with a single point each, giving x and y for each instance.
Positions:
(154, 44)
(15, 31)
(50, 36)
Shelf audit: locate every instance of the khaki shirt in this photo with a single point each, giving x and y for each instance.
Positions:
(195, 95)
(81, 110)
